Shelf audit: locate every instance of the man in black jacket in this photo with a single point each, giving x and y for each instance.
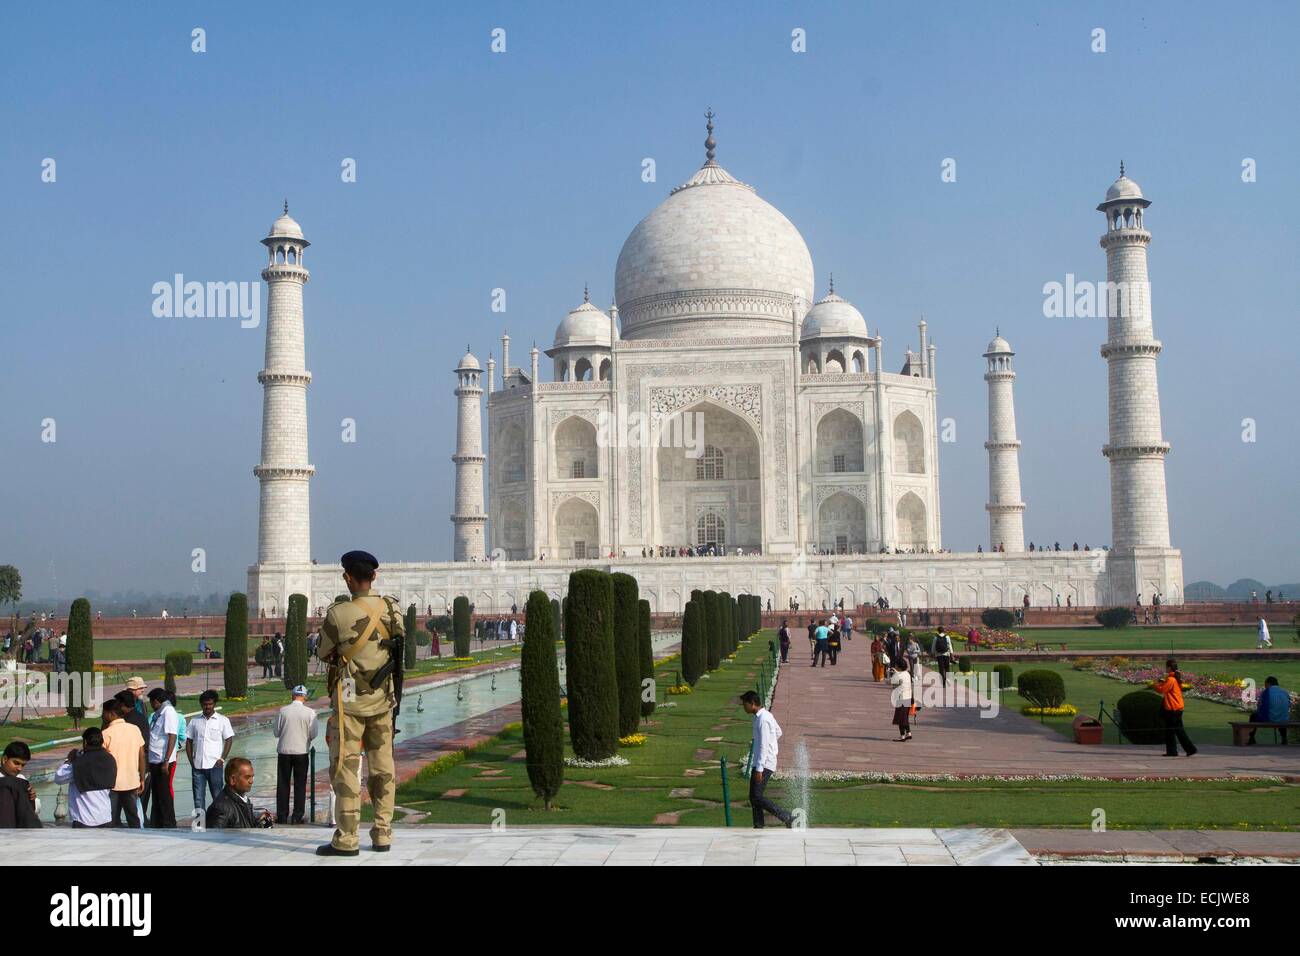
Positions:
(231, 809)
(17, 798)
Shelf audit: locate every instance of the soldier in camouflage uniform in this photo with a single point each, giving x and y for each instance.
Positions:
(356, 641)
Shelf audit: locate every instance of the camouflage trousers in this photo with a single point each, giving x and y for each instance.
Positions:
(374, 735)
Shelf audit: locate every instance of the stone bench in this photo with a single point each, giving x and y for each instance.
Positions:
(1241, 730)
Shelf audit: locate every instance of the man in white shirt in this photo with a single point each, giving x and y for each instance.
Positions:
(90, 775)
(163, 731)
(208, 740)
(763, 760)
(295, 729)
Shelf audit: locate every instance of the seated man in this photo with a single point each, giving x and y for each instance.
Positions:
(1274, 707)
(231, 808)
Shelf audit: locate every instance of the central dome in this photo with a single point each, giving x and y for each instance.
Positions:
(713, 260)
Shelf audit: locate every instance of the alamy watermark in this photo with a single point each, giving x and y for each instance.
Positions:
(1085, 299)
(635, 429)
(208, 300)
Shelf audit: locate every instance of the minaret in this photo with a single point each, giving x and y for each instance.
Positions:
(284, 522)
(469, 520)
(1139, 511)
(1006, 510)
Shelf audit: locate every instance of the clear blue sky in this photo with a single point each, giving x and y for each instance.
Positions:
(523, 171)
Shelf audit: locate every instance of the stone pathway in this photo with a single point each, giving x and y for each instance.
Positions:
(843, 717)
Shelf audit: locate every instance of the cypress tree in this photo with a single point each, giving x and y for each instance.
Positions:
(724, 636)
(81, 657)
(460, 626)
(295, 641)
(694, 641)
(540, 703)
(555, 617)
(627, 651)
(713, 629)
(647, 656)
(412, 626)
(235, 664)
(592, 674)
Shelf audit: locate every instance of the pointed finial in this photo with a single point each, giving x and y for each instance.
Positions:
(467, 348)
(286, 207)
(709, 144)
(1121, 169)
(832, 283)
(585, 296)
(997, 331)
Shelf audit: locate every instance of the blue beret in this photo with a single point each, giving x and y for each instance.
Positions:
(353, 558)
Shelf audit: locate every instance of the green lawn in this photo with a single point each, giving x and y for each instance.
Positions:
(676, 758)
(1206, 721)
(1157, 638)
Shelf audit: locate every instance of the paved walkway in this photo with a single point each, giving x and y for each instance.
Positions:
(843, 718)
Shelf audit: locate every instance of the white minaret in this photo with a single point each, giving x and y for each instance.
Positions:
(469, 520)
(1006, 510)
(1139, 511)
(284, 525)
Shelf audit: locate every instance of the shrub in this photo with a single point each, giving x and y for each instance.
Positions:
(647, 656)
(998, 618)
(182, 662)
(1140, 718)
(627, 651)
(728, 630)
(460, 626)
(295, 641)
(963, 664)
(1006, 676)
(81, 655)
(235, 664)
(694, 641)
(543, 723)
(408, 649)
(423, 638)
(1115, 617)
(927, 642)
(1042, 688)
(591, 671)
(713, 611)
(1083, 663)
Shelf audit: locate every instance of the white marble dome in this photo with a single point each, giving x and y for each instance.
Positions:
(1123, 188)
(468, 361)
(286, 227)
(833, 317)
(999, 346)
(713, 260)
(586, 325)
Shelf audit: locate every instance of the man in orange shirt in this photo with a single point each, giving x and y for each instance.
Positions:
(123, 740)
(1171, 689)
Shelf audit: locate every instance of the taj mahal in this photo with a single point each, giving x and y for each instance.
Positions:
(721, 405)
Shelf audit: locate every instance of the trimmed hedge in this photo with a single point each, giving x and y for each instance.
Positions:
(543, 721)
(412, 637)
(235, 664)
(727, 637)
(295, 641)
(713, 610)
(963, 663)
(1115, 617)
(998, 618)
(1140, 717)
(694, 641)
(460, 626)
(1042, 688)
(627, 651)
(647, 656)
(1005, 675)
(591, 671)
(81, 655)
(556, 629)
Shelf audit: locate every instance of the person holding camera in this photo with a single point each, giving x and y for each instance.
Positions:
(231, 809)
(90, 775)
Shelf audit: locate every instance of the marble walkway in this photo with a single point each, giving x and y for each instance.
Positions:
(843, 718)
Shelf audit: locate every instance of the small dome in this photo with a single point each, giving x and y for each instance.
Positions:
(468, 361)
(286, 227)
(1123, 188)
(585, 325)
(833, 316)
(999, 346)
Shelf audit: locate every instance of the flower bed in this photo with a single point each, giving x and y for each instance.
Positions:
(1220, 688)
(632, 740)
(992, 640)
(1065, 710)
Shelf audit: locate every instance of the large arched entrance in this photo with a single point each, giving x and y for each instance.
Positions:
(842, 525)
(708, 483)
(577, 530)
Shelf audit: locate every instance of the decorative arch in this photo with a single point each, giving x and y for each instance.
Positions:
(910, 521)
(582, 370)
(577, 529)
(839, 442)
(858, 363)
(511, 452)
(811, 364)
(576, 454)
(835, 363)
(606, 369)
(909, 444)
(842, 524)
(710, 529)
(513, 523)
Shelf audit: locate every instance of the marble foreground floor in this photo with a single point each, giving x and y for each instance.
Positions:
(530, 846)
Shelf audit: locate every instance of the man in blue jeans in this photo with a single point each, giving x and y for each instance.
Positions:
(207, 745)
